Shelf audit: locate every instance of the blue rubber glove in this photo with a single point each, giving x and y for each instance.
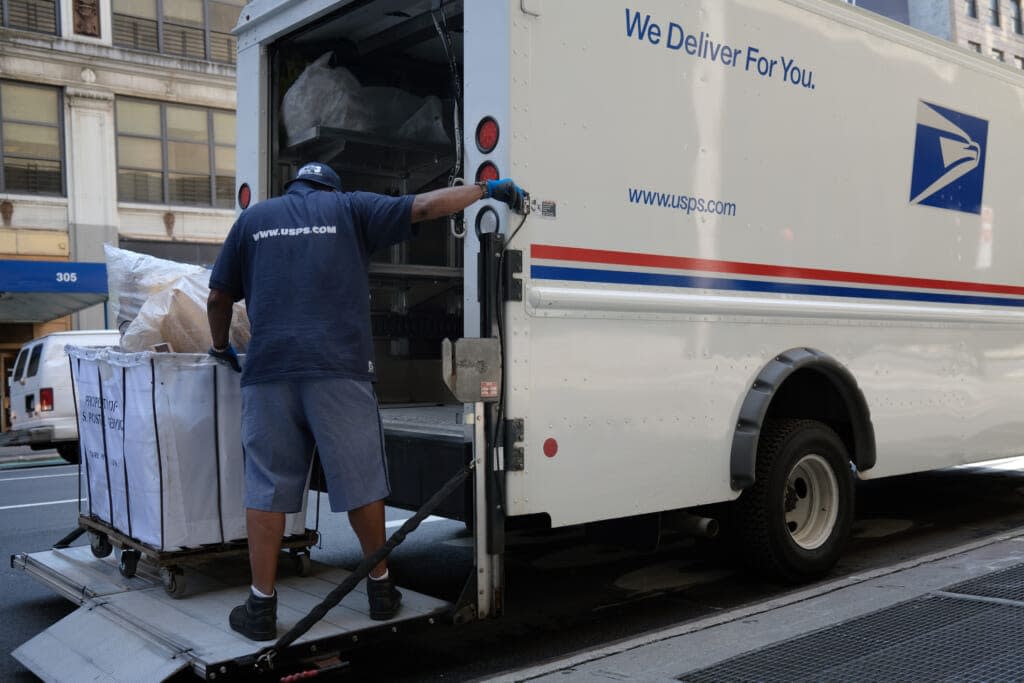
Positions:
(505, 190)
(228, 356)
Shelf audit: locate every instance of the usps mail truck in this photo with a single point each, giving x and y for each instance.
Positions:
(772, 247)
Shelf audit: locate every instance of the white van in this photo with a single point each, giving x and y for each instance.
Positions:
(42, 400)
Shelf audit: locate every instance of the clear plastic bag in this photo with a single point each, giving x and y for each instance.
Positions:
(322, 96)
(333, 97)
(177, 316)
(426, 124)
(132, 278)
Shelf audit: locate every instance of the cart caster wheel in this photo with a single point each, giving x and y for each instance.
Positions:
(174, 581)
(100, 545)
(303, 565)
(128, 563)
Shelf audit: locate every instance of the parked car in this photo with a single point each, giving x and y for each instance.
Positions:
(43, 412)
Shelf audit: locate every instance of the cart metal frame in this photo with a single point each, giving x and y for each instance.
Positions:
(171, 564)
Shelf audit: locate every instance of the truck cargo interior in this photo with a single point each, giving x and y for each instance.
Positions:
(372, 90)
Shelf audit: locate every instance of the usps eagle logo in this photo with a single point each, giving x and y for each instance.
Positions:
(949, 159)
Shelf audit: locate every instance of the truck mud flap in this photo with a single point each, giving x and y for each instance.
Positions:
(133, 630)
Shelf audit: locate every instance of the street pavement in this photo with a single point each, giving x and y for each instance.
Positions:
(912, 621)
(37, 507)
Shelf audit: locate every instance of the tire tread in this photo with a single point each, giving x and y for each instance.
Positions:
(754, 534)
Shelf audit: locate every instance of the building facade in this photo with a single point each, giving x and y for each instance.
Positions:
(989, 27)
(117, 125)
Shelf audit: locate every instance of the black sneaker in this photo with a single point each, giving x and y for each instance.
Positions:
(384, 599)
(257, 618)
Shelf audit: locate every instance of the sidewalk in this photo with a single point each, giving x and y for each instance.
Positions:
(18, 456)
(953, 615)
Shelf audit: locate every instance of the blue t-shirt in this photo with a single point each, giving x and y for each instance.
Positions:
(300, 262)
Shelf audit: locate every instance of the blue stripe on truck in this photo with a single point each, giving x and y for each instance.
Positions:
(733, 284)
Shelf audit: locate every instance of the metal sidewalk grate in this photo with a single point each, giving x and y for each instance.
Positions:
(1007, 584)
(933, 638)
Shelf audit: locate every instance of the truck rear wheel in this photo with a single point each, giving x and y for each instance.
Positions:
(794, 520)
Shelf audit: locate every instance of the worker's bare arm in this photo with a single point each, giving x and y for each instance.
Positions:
(218, 312)
(443, 202)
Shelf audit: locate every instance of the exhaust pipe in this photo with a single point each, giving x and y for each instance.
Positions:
(692, 525)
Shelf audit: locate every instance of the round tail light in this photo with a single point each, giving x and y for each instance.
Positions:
(487, 171)
(244, 196)
(487, 135)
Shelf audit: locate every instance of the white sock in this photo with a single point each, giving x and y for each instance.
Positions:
(256, 591)
(381, 577)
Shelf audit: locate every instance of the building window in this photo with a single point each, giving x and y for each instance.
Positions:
(971, 8)
(993, 12)
(32, 149)
(30, 15)
(1015, 15)
(971, 45)
(196, 29)
(998, 55)
(171, 154)
(1018, 61)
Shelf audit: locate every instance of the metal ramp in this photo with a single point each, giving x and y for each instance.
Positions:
(131, 629)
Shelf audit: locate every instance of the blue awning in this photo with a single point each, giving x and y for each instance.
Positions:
(39, 291)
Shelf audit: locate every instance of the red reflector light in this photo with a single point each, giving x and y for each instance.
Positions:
(244, 196)
(550, 448)
(46, 399)
(487, 135)
(487, 171)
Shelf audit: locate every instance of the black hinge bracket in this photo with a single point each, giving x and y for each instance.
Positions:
(512, 264)
(515, 435)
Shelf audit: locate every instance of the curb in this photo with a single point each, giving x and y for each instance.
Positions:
(10, 461)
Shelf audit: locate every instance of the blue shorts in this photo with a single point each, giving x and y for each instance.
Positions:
(281, 422)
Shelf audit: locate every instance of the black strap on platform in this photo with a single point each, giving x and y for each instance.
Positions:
(265, 660)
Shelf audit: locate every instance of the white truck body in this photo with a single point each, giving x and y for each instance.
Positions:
(730, 180)
(644, 327)
(761, 261)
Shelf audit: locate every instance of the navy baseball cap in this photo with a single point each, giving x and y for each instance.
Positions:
(321, 174)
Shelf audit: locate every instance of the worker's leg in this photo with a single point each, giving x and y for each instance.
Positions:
(343, 416)
(265, 530)
(278, 449)
(345, 422)
(278, 452)
(368, 523)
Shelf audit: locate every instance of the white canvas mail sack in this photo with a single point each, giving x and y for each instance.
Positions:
(161, 438)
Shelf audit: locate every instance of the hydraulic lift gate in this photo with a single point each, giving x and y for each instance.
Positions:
(131, 629)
